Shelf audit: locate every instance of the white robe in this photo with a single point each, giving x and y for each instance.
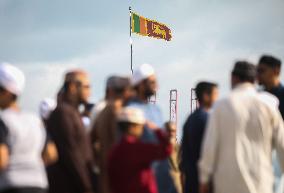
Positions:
(242, 131)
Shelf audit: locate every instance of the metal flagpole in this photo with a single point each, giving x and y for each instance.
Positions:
(131, 49)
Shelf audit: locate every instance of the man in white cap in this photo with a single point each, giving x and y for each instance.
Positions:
(129, 164)
(145, 84)
(22, 139)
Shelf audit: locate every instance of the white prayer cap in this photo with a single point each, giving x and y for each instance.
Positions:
(46, 106)
(131, 115)
(12, 79)
(141, 73)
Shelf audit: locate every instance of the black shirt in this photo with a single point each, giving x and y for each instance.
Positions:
(193, 132)
(279, 93)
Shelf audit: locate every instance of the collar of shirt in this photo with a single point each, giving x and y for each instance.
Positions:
(245, 86)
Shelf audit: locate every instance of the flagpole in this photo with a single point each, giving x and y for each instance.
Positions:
(131, 49)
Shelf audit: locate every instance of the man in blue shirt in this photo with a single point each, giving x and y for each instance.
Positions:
(145, 85)
(193, 131)
(268, 70)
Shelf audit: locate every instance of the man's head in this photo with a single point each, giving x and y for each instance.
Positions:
(12, 82)
(243, 72)
(77, 86)
(172, 130)
(118, 87)
(268, 71)
(131, 121)
(206, 93)
(144, 81)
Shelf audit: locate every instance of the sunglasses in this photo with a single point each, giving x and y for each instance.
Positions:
(87, 86)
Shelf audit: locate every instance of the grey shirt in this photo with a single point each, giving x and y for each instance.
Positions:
(25, 137)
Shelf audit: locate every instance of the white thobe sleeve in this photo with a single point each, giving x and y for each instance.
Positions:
(278, 137)
(209, 148)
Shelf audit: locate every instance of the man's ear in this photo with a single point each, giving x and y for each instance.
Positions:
(205, 97)
(72, 88)
(276, 71)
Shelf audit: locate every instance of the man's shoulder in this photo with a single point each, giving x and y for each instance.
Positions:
(16, 121)
(64, 108)
(62, 112)
(198, 113)
(268, 99)
(24, 116)
(198, 116)
(281, 92)
(221, 103)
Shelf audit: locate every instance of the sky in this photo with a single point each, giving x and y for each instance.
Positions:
(46, 38)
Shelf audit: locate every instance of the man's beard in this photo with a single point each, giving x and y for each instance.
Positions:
(149, 93)
(82, 101)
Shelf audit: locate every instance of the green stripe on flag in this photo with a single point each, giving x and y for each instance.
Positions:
(136, 27)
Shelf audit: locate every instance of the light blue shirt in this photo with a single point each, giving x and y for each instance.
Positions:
(153, 114)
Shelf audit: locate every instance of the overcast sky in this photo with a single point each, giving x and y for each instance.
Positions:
(46, 37)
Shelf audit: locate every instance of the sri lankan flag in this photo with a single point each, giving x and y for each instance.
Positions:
(151, 28)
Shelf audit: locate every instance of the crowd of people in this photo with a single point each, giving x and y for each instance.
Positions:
(122, 144)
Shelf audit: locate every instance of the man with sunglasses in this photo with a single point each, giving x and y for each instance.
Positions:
(73, 171)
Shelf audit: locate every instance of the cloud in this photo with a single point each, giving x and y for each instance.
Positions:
(46, 38)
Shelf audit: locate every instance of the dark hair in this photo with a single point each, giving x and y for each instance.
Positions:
(119, 91)
(202, 88)
(14, 97)
(124, 126)
(245, 71)
(270, 61)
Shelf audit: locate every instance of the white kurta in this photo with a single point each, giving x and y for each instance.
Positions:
(242, 131)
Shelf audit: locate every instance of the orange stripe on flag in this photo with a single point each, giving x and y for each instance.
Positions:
(143, 26)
